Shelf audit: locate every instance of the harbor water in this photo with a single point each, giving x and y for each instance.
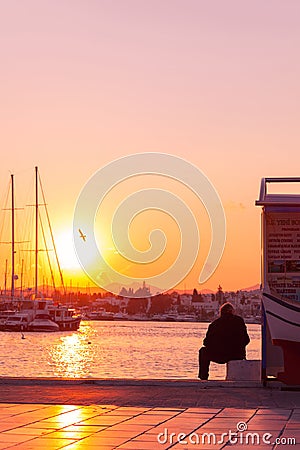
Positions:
(113, 349)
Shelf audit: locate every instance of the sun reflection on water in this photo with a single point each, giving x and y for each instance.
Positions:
(72, 354)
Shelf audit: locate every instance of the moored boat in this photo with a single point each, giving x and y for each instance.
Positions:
(29, 310)
(4, 315)
(283, 318)
(64, 317)
(100, 315)
(43, 322)
(17, 322)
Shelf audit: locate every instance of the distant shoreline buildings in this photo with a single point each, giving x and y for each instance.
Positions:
(140, 304)
(174, 306)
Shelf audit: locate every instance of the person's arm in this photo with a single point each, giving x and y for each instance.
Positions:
(208, 338)
(245, 335)
(247, 338)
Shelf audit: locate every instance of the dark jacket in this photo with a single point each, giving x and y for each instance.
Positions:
(226, 338)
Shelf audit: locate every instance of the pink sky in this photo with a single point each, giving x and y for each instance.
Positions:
(217, 83)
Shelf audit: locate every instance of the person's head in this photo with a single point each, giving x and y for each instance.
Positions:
(226, 308)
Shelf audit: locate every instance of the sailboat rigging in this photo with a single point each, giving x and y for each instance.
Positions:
(13, 242)
(37, 250)
(27, 319)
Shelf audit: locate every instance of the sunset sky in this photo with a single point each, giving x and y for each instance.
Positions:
(215, 83)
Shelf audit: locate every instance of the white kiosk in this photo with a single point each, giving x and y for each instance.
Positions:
(280, 283)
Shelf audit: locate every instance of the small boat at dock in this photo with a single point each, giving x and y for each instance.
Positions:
(64, 317)
(16, 322)
(43, 322)
(100, 315)
(30, 312)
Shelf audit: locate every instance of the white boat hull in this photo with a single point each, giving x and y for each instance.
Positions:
(42, 328)
(39, 324)
(283, 318)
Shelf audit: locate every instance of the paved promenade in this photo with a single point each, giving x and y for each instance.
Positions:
(146, 415)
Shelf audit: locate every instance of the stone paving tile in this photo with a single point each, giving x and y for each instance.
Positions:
(267, 426)
(268, 417)
(201, 447)
(102, 420)
(219, 444)
(15, 423)
(144, 423)
(294, 421)
(295, 417)
(154, 432)
(14, 438)
(43, 444)
(116, 413)
(4, 426)
(194, 415)
(168, 409)
(145, 438)
(244, 447)
(241, 414)
(28, 431)
(194, 443)
(73, 416)
(219, 424)
(293, 425)
(131, 410)
(136, 445)
(273, 411)
(182, 428)
(124, 434)
(82, 446)
(124, 427)
(62, 433)
(84, 428)
(292, 433)
(45, 425)
(156, 418)
(99, 440)
(159, 412)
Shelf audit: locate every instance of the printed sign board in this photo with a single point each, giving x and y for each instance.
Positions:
(283, 253)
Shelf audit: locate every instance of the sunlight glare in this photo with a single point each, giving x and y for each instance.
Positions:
(66, 251)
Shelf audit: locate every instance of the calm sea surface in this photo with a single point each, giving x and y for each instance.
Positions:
(113, 350)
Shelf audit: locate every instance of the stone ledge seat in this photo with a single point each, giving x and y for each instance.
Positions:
(243, 370)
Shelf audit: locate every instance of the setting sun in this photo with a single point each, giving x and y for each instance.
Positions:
(66, 251)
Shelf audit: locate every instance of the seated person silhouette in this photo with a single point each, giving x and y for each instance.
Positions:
(225, 340)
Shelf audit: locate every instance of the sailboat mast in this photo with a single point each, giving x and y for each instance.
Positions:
(36, 229)
(12, 237)
(53, 242)
(5, 277)
(22, 273)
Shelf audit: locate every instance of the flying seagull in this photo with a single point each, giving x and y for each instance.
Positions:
(83, 236)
